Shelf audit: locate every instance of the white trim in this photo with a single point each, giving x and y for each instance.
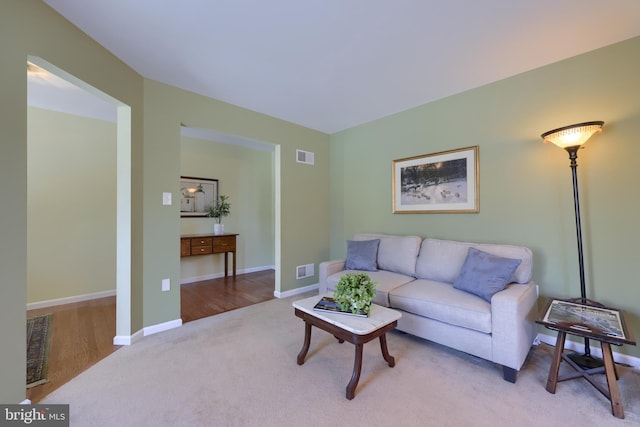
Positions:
(277, 185)
(119, 340)
(161, 327)
(296, 291)
(194, 279)
(124, 257)
(69, 300)
(149, 330)
(595, 350)
(128, 339)
(25, 402)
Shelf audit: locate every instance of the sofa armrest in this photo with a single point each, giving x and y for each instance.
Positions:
(513, 312)
(326, 269)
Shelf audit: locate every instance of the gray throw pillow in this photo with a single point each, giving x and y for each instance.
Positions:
(362, 255)
(484, 274)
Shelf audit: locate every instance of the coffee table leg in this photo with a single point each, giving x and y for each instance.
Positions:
(385, 352)
(355, 377)
(307, 342)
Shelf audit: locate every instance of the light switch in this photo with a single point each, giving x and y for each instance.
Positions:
(166, 199)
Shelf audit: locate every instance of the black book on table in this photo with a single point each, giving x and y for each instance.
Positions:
(330, 305)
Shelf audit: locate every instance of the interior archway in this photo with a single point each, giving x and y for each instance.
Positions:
(123, 184)
(240, 141)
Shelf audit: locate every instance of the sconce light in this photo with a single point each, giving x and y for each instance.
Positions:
(571, 138)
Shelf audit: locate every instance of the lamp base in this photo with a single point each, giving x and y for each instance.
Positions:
(586, 361)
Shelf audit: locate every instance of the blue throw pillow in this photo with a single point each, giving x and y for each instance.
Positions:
(484, 274)
(362, 255)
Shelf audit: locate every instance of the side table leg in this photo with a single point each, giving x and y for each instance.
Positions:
(355, 377)
(610, 372)
(552, 381)
(307, 342)
(226, 264)
(385, 352)
(234, 263)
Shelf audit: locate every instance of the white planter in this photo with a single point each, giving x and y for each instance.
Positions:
(218, 229)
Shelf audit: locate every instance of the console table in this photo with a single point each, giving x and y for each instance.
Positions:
(205, 244)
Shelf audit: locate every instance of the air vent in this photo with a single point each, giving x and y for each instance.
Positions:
(303, 271)
(305, 157)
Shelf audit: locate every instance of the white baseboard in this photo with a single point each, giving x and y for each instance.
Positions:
(161, 327)
(218, 275)
(69, 300)
(296, 291)
(128, 339)
(595, 350)
(148, 330)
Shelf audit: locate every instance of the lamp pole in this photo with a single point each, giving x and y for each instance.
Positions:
(573, 156)
(585, 361)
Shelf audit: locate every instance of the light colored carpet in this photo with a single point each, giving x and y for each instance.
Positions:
(239, 369)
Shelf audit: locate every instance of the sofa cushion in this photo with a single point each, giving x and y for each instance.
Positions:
(484, 274)
(442, 260)
(395, 253)
(441, 301)
(385, 281)
(362, 255)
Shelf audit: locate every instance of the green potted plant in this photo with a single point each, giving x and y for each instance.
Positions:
(217, 210)
(354, 292)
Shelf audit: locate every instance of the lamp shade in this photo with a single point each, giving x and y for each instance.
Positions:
(573, 135)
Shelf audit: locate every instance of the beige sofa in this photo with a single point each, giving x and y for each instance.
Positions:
(416, 276)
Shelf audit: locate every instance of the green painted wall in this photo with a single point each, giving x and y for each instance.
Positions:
(71, 188)
(526, 193)
(52, 38)
(13, 216)
(247, 177)
(303, 193)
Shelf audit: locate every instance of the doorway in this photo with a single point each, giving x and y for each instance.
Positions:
(51, 88)
(245, 170)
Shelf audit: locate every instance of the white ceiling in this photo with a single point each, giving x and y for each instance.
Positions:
(334, 64)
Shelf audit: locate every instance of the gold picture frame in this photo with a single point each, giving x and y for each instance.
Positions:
(443, 182)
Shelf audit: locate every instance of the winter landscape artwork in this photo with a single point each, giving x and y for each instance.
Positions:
(444, 182)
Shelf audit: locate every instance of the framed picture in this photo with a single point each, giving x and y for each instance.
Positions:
(196, 195)
(445, 182)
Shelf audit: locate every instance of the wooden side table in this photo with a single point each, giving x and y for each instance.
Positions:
(602, 324)
(205, 244)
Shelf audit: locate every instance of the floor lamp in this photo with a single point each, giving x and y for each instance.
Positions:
(572, 138)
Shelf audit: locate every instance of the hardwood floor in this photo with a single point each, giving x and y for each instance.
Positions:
(82, 335)
(83, 332)
(209, 297)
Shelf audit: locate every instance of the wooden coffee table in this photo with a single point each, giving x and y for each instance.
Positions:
(356, 330)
